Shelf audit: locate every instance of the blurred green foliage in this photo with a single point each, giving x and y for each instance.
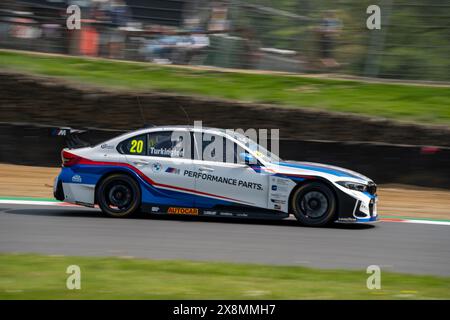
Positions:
(413, 43)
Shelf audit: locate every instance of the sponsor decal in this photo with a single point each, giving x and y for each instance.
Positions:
(225, 180)
(173, 170)
(278, 201)
(227, 214)
(167, 152)
(160, 151)
(76, 178)
(177, 210)
(280, 184)
(155, 209)
(156, 167)
(106, 146)
(347, 219)
(277, 207)
(278, 195)
(241, 215)
(59, 132)
(364, 207)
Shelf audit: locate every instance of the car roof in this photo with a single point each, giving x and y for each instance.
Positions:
(174, 127)
(167, 127)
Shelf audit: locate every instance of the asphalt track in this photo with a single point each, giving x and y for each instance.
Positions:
(400, 247)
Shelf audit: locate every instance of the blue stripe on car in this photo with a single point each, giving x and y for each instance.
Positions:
(319, 168)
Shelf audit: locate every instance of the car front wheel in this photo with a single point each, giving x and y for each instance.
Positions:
(118, 195)
(314, 204)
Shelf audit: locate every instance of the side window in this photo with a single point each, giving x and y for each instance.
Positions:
(218, 148)
(169, 144)
(134, 146)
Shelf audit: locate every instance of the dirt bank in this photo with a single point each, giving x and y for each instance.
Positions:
(44, 100)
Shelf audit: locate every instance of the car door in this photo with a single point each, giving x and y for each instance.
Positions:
(222, 179)
(163, 160)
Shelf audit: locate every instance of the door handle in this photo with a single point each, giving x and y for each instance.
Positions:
(205, 169)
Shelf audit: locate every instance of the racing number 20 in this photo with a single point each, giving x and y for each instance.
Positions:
(136, 146)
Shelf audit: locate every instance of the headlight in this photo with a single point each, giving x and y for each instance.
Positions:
(353, 185)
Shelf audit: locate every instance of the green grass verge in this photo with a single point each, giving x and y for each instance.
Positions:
(413, 103)
(25, 276)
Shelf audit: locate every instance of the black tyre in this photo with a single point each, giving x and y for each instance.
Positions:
(314, 204)
(119, 196)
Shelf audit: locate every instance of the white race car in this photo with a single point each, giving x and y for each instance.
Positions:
(209, 172)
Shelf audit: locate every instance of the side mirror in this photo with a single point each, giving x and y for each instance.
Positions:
(246, 158)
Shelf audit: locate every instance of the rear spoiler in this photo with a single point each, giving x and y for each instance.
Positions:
(71, 136)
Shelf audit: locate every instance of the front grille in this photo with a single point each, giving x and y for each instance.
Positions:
(372, 188)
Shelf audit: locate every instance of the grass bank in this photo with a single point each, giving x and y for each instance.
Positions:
(425, 104)
(25, 276)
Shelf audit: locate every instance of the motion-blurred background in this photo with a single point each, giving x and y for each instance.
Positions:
(376, 101)
(283, 35)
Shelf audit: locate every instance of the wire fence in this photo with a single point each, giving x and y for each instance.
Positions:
(304, 36)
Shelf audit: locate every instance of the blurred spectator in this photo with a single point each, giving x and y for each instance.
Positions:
(52, 33)
(24, 30)
(251, 49)
(175, 47)
(328, 30)
(159, 49)
(84, 40)
(192, 49)
(218, 21)
(119, 15)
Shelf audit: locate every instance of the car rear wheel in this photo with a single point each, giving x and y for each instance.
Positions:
(314, 204)
(119, 196)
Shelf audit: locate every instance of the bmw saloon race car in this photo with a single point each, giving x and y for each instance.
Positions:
(184, 170)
